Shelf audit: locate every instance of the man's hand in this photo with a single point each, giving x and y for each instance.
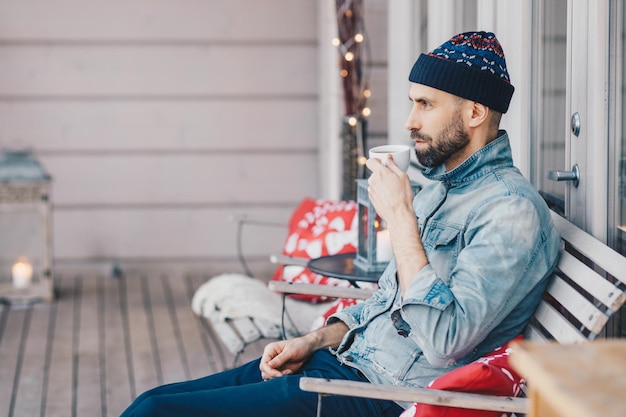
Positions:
(389, 188)
(392, 196)
(286, 357)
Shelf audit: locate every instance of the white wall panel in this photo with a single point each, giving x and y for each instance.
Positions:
(196, 178)
(122, 20)
(159, 125)
(169, 233)
(156, 71)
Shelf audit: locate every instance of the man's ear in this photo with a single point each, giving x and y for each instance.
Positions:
(479, 114)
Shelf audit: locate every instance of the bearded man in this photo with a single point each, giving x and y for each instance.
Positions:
(472, 253)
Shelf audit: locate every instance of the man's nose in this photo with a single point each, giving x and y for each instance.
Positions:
(412, 121)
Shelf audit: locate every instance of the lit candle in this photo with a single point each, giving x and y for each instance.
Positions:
(384, 253)
(22, 273)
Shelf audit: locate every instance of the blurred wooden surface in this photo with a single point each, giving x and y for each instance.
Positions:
(575, 380)
(103, 342)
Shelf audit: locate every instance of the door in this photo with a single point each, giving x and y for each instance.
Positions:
(579, 102)
(570, 129)
(548, 99)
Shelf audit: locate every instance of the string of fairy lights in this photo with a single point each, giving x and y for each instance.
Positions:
(351, 45)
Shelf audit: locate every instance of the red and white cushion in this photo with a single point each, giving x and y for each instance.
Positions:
(318, 228)
(491, 375)
(338, 305)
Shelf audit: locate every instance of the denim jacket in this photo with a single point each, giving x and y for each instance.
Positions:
(491, 246)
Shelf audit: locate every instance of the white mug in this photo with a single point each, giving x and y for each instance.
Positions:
(401, 154)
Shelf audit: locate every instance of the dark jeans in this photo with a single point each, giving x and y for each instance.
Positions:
(241, 392)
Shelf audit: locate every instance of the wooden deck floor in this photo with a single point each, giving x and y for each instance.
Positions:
(101, 343)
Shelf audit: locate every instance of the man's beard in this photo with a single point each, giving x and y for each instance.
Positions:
(452, 139)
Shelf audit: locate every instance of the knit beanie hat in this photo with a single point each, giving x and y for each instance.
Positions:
(470, 65)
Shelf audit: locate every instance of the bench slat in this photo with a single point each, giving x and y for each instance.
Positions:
(577, 305)
(532, 333)
(268, 330)
(603, 256)
(595, 284)
(227, 335)
(246, 329)
(558, 327)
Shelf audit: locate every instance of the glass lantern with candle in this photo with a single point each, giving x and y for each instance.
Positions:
(374, 245)
(25, 229)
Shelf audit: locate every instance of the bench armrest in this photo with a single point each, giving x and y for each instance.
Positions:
(312, 289)
(414, 395)
(323, 290)
(288, 260)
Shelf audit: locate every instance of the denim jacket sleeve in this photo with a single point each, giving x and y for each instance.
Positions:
(357, 314)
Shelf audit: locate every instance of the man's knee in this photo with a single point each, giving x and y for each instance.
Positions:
(144, 407)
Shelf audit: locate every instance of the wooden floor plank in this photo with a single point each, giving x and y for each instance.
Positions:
(10, 359)
(174, 366)
(59, 393)
(29, 389)
(52, 319)
(116, 370)
(188, 329)
(171, 285)
(146, 372)
(7, 359)
(86, 351)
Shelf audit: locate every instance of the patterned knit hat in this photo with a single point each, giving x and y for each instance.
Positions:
(470, 65)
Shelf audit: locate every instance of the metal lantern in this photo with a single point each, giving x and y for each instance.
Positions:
(373, 245)
(369, 255)
(25, 230)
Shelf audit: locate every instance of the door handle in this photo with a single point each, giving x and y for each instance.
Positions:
(573, 175)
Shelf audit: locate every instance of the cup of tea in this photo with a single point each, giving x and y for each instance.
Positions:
(401, 154)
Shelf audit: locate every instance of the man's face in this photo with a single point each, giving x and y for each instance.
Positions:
(436, 125)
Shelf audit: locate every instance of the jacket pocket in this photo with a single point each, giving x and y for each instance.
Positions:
(442, 248)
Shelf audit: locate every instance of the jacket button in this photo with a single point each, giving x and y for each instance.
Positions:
(402, 333)
(349, 358)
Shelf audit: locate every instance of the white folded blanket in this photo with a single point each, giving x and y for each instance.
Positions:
(235, 295)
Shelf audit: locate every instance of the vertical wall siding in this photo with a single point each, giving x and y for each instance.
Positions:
(161, 120)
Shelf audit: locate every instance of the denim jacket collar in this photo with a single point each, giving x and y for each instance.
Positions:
(493, 156)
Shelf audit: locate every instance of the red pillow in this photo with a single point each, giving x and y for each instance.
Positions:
(318, 228)
(489, 375)
(338, 305)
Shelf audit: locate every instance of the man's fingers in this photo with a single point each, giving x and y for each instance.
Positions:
(374, 164)
(267, 372)
(394, 167)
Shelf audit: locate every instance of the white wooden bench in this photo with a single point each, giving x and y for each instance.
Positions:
(587, 288)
